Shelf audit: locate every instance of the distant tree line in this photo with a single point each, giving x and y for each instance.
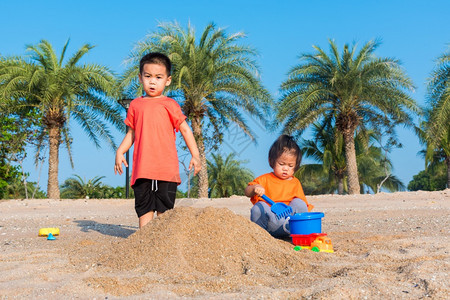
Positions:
(351, 99)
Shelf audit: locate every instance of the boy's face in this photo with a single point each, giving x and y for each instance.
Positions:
(284, 167)
(154, 79)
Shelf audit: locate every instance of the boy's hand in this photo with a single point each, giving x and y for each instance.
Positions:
(195, 162)
(120, 158)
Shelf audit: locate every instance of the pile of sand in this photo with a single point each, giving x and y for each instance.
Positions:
(211, 247)
(387, 246)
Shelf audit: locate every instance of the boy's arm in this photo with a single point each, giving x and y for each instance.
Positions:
(192, 145)
(126, 144)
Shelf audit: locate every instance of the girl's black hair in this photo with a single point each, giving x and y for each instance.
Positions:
(156, 58)
(285, 143)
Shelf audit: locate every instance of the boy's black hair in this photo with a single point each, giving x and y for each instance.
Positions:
(155, 58)
(285, 143)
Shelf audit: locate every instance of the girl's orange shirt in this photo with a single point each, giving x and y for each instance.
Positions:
(280, 190)
(155, 122)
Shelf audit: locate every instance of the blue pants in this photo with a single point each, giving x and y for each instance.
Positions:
(262, 215)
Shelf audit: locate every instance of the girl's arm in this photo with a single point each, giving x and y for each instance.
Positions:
(254, 189)
(192, 145)
(126, 144)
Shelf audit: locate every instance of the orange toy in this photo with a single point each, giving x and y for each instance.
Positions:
(322, 244)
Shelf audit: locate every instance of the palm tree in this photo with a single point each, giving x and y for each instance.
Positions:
(437, 131)
(76, 187)
(16, 190)
(61, 89)
(439, 97)
(327, 148)
(431, 179)
(437, 150)
(353, 89)
(435, 153)
(214, 79)
(374, 167)
(227, 177)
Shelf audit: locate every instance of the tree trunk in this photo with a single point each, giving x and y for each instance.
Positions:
(352, 167)
(448, 172)
(24, 176)
(381, 184)
(53, 161)
(203, 174)
(340, 185)
(38, 179)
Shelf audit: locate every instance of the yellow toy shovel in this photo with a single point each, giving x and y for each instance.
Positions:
(45, 231)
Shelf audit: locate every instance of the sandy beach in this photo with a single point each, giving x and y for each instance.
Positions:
(387, 246)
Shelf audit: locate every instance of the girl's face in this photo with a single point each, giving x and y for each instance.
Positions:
(284, 167)
(154, 79)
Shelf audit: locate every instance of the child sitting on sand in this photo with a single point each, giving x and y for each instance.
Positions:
(152, 121)
(280, 186)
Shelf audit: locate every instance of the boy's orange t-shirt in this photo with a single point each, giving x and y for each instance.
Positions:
(280, 190)
(155, 122)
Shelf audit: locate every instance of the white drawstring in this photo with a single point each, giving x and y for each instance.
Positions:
(155, 185)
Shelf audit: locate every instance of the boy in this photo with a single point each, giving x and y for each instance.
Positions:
(280, 186)
(152, 120)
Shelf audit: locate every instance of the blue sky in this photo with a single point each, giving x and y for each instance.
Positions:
(415, 32)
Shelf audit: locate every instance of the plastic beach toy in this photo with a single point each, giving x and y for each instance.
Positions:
(305, 239)
(46, 231)
(280, 209)
(305, 223)
(322, 244)
(51, 237)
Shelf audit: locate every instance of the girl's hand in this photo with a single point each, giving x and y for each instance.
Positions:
(254, 189)
(259, 190)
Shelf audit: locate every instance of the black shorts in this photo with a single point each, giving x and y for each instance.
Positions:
(153, 195)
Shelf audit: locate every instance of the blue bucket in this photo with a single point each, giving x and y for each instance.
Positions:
(306, 223)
